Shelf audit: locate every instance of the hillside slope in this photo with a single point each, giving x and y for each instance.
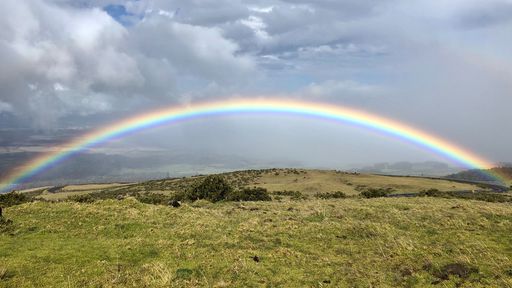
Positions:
(307, 182)
(420, 242)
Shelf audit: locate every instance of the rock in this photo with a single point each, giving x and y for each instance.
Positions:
(175, 203)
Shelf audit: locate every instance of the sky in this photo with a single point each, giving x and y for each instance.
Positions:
(69, 66)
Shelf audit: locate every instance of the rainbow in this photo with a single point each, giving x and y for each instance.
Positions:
(235, 106)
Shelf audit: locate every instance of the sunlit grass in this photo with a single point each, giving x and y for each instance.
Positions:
(319, 243)
(307, 182)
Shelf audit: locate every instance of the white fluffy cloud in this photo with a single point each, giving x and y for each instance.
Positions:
(60, 59)
(196, 50)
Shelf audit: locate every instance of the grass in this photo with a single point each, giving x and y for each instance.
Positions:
(89, 187)
(308, 182)
(381, 242)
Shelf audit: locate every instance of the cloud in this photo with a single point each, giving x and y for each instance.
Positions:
(53, 48)
(63, 59)
(441, 66)
(5, 107)
(341, 89)
(196, 50)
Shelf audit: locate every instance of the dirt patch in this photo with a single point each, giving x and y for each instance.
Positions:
(461, 270)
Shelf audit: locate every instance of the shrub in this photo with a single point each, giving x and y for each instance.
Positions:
(13, 198)
(376, 192)
(430, 192)
(287, 193)
(213, 188)
(250, 194)
(331, 195)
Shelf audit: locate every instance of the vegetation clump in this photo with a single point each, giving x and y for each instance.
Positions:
(430, 192)
(213, 188)
(250, 194)
(13, 198)
(331, 195)
(376, 192)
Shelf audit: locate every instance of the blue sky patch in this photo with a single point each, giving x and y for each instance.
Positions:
(120, 14)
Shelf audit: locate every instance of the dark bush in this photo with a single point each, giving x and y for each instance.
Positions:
(213, 188)
(376, 192)
(430, 193)
(288, 193)
(13, 198)
(331, 195)
(250, 194)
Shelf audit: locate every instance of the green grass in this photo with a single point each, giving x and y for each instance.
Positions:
(413, 242)
(308, 182)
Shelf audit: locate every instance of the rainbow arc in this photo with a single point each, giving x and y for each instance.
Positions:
(174, 114)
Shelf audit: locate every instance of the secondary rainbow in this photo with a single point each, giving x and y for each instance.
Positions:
(235, 106)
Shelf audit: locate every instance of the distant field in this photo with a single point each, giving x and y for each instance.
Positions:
(89, 187)
(312, 181)
(308, 182)
(406, 242)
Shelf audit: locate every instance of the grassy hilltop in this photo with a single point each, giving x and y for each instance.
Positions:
(307, 182)
(290, 241)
